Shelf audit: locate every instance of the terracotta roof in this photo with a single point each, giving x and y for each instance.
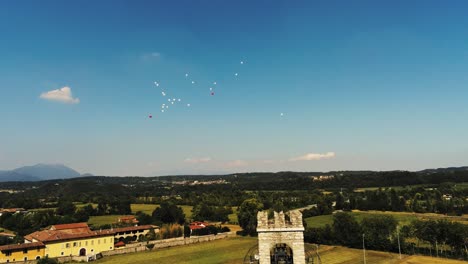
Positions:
(69, 226)
(56, 235)
(193, 227)
(198, 225)
(119, 244)
(22, 246)
(11, 210)
(127, 217)
(7, 234)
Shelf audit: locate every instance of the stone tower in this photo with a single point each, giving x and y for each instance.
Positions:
(280, 235)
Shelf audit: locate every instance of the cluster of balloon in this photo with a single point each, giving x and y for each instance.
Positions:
(172, 101)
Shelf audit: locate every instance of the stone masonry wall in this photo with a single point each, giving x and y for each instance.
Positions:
(280, 231)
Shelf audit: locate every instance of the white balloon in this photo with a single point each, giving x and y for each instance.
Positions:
(168, 100)
(186, 75)
(235, 74)
(242, 62)
(167, 106)
(214, 83)
(211, 89)
(188, 105)
(162, 111)
(193, 82)
(172, 102)
(178, 100)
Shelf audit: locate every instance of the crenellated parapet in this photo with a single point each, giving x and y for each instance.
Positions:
(281, 222)
(282, 233)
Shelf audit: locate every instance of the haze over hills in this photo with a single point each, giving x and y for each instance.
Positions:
(40, 172)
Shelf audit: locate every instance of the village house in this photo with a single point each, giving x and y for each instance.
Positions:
(127, 219)
(197, 225)
(12, 210)
(134, 232)
(21, 252)
(75, 239)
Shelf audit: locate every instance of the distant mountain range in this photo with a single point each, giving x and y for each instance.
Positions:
(40, 172)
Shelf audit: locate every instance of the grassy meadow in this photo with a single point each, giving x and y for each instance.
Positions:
(233, 250)
(103, 219)
(403, 218)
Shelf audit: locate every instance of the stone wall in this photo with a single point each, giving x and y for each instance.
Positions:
(72, 258)
(165, 243)
(124, 250)
(280, 231)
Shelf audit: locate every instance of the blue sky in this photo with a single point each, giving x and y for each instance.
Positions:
(361, 85)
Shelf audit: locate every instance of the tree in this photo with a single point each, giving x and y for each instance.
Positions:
(143, 219)
(203, 212)
(346, 230)
(81, 215)
(378, 230)
(168, 213)
(339, 205)
(247, 215)
(65, 208)
(47, 260)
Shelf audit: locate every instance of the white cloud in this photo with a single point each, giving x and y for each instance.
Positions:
(150, 56)
(314, 156)
(63, 95)
(197, 160)
(236, 163)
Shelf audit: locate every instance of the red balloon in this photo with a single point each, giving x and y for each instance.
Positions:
(212, 93)
(150, 116)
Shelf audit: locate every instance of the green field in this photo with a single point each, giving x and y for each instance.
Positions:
(233, 250)
(221, 251)
(149, 208)
(145, 208)
(403, 218)
(233, 216)
(103, 219)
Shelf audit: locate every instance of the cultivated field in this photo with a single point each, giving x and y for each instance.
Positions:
(233, 250)
(103, 220)
(149, 208)
(146, 208)
(403, 218)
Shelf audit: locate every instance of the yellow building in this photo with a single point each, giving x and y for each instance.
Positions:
(21, 252)
(72, 240)
(135, 232)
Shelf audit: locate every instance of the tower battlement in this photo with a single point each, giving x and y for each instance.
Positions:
(279, 221)
(280, 238)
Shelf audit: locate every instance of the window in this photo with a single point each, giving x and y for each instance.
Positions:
(8, 253)
(25, 258)
(92, 242)
(25, 251)
(74, 244)
(67, 245)
(61, 253)
(38, 249)
(104, 240)
(80, 244)
(86, 243)
(99, 241)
